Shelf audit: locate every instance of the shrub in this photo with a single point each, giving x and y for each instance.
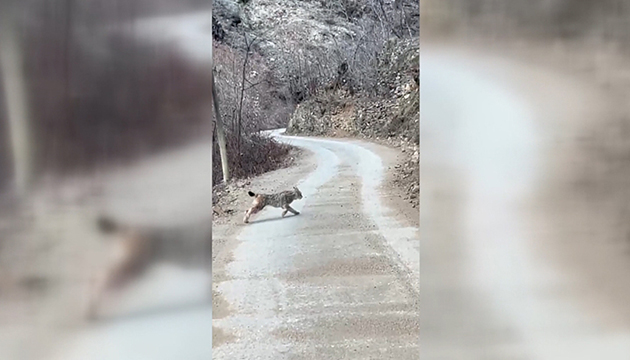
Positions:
(258, 154)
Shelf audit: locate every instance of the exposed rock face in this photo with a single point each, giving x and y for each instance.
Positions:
(392, 114)
(334, 60)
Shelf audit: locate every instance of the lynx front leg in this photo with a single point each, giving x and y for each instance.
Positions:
(292, 210)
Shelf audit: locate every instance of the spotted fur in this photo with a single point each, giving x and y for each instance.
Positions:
(133, 249)
(279, 200)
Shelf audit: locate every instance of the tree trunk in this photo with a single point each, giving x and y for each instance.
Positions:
(220, 134)
(240, 105)
(14, 84)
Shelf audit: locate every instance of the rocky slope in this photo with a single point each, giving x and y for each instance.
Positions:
(350, 68)
(392, 118)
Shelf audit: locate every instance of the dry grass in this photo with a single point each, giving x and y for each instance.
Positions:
(258, 154)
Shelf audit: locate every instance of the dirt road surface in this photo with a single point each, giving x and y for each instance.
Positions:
(498, 235)
(166, 314)
(172, 189)
(340, 280)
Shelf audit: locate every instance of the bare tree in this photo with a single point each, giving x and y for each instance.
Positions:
(240, 104)
(249, 43)
(220, 134)
(14, 84)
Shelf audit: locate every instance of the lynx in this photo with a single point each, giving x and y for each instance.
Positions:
(135, 248)
(279, 200)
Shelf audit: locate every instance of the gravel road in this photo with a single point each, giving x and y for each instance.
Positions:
(497, 136)
(340, 280)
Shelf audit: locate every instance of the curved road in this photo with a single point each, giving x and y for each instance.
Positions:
(487, 288)
(343, 280)
(340, 280)
(167, 314)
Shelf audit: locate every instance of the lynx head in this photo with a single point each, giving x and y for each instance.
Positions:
(297, 192)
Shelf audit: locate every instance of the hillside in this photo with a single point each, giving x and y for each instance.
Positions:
(342, 68)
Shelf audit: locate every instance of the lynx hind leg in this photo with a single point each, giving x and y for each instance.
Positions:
(106, 280)
(127, 259)
(99, 287)
(249, 213)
